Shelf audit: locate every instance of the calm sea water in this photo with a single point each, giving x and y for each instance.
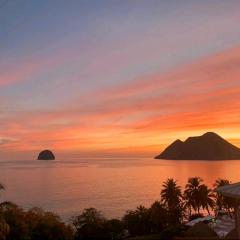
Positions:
(110, 185)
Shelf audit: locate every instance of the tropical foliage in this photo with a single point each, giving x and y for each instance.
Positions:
(223, 203)
(34, 224)
(163, 220)
(92, 225)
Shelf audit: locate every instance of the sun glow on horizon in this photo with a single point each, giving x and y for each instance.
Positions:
(110, 82)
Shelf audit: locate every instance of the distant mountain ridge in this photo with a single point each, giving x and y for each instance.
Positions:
(209, 146)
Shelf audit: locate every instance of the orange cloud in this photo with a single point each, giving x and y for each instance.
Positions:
(143, 116)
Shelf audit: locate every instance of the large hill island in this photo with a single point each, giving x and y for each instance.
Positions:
(209, 146)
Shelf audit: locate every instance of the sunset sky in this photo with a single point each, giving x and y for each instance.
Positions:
(116, 78)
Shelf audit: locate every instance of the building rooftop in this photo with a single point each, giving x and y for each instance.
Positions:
(231, 190)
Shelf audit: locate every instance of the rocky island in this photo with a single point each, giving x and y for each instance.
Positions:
(46, 155)
(209, 146)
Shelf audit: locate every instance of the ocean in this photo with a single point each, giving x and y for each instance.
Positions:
(113, 186)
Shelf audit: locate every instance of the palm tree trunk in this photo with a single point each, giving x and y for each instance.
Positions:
(208, 210)
(229, 212)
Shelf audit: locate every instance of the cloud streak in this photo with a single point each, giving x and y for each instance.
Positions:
(146, 114)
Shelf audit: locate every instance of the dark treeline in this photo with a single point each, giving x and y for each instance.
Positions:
(165, 217)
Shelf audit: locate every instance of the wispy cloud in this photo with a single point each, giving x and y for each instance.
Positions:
(147, 114)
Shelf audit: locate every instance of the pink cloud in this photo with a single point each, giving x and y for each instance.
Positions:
(146, 114)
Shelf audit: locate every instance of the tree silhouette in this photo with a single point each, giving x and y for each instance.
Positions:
(171, 197)
(171, 194)
(221, 201)
(137, 221)
(158, 216)
(192, 194)
(206, 198)
(89, 225)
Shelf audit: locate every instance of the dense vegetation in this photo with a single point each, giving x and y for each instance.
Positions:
(163, 220)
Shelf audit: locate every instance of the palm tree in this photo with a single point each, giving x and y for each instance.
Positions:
(206, 198)
(192, 194)
(221, 201)
(171, 197)
(188, 202)
(221, 182)
(171, 194)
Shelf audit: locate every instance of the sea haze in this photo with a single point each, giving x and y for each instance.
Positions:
(110, 185)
